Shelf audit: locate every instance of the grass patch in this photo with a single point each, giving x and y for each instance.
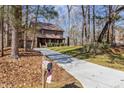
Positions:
(104, 59)
(63, 49)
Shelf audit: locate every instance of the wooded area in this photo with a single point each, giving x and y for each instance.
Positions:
(15, 20)
(90, 32)
(89, 29)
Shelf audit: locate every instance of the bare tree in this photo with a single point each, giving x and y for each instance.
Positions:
(7, 12)
(88, 22)
(26, 28)
(84, 27)
(94, 24)
(109, 22)
(110, 25)
(34, 26)
(16, 26)
(69, 8)
(1, 29)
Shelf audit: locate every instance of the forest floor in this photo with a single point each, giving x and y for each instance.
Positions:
(112, 57)
(26, 72)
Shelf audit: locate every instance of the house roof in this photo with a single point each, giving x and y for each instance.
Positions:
(48, 26)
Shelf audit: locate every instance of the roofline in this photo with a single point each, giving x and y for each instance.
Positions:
(53, 30)
(50, 38)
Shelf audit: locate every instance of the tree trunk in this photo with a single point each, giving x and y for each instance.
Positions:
(110, 25)
(17, 10)
(26, 26)
(69, 8)
(88, 23)
(104, 30)
(7, 29)
(94, 33)
(1, 30)
(84, 27)
(34, 26)
(14, 45)
(113, 36)
(68, 41)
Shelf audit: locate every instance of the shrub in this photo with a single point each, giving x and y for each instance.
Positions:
(61, 44)
(105, 45)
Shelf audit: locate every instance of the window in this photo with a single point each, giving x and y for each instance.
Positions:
(42, 32)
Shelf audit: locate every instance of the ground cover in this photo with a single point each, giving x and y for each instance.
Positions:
(26, 72)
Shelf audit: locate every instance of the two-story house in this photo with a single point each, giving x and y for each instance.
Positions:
(47, 33)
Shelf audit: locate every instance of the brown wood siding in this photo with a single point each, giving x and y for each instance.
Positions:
(50, 34)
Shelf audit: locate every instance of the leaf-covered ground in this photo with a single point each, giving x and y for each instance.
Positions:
(26, 72)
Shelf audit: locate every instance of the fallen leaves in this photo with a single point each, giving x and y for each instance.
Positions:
(26, 72)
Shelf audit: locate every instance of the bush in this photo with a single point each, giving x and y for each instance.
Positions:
(104, 45)
(61, 44)
(50, 44)
(57, 44)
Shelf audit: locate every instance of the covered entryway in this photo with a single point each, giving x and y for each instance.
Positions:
(45, 41)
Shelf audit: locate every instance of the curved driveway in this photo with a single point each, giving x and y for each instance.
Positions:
(90, 75)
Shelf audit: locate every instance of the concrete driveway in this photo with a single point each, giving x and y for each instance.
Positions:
(90, 75)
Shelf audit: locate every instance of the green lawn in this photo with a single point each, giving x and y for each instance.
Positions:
(104, 59)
